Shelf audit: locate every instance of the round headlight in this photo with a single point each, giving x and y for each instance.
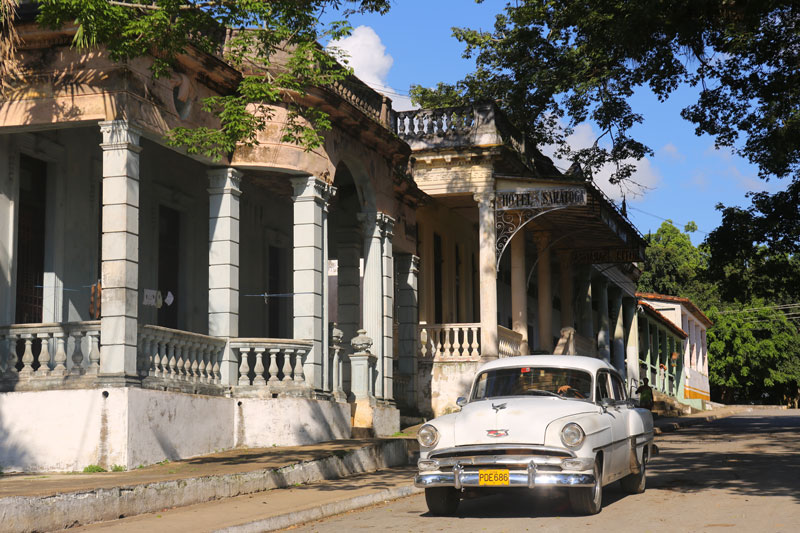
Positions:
(428, 436)
(572, 435)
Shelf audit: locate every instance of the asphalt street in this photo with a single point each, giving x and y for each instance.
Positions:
(740, 473)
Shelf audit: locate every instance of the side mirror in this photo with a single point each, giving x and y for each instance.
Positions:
(461, 401)
(605, 402)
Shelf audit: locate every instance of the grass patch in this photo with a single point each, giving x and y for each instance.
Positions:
(164, 462)
(118, 468)
(93, 469)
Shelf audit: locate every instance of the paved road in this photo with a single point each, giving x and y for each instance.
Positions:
(736, 474)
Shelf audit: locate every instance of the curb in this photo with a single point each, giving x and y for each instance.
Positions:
(64, 510)
(323, 511)
(670, 426)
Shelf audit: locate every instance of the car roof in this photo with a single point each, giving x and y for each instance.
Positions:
(590, 364)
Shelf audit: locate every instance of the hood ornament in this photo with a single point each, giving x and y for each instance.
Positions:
(498, 407)
(497, 432)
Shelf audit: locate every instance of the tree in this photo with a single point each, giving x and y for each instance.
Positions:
(754, 355)
(274, 44)
(755, 252)
(554, 65)
(674, 266)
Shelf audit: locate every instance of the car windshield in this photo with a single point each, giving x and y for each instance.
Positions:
(533, 381)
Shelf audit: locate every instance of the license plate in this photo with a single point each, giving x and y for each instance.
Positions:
(493, 477)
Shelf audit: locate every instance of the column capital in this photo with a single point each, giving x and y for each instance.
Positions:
(224, 180)
(386, 224)
(312, 187)
(120, 134)
(414, 268)
(485, 197)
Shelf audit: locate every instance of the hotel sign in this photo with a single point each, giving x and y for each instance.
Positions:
(540, 198)
(608, 255)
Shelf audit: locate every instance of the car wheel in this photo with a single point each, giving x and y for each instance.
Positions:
(442, 501)
(634, 483)
(588, 500)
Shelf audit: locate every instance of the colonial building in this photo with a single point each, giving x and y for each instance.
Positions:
(685, 363)
(516, 257)
(155, 304)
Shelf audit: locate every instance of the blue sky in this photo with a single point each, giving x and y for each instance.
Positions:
(686, 176)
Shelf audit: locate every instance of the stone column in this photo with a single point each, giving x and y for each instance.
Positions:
(519, 293)
(407, 311)
(310, 280)
(631, 327)
(487, 275)
(120, 252)
(585, 318)
(9, 207)
(545, 292)
(386, 370)
(600, 291)
(618, 330)
(372, 298)
(566, 295)
(362, 363)
(224, 190)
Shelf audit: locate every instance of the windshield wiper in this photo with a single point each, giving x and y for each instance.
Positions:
(542, 393)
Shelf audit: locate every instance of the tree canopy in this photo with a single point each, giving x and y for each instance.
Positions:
(554, 65)
(275, 44)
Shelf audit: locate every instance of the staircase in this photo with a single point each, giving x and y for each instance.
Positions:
(667, 406)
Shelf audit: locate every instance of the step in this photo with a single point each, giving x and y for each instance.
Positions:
(58, 501)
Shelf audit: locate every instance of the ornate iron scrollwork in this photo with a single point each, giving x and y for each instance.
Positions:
(508, 223)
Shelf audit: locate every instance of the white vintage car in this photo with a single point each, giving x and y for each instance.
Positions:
(534, 421)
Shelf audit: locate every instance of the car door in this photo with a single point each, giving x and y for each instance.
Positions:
(615, 413)
(624, 410)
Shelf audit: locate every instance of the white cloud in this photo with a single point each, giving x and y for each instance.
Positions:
(366, 54)
(645, 177)
(671, 151)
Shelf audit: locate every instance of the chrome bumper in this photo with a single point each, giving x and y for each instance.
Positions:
(460, 478)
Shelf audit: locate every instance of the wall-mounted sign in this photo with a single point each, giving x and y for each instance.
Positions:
(608, 255)
(539, 198)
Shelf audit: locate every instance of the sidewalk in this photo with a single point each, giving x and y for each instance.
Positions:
(318, 480)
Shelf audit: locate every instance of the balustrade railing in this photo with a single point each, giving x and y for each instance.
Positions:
(275, 365)
(447, 121)
(449, 341)
(30, 351)
(176, 358)
(509, 342)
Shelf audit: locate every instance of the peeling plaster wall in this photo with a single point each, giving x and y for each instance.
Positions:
(68, 430)
(62, 430)
(289, 421)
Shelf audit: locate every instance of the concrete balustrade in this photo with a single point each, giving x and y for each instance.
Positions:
(272, 367)
(449, 341)
(509, 342)
(56, 352)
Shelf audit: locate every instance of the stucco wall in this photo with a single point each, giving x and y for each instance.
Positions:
(62, 430)
(172, 425)
(289, 421)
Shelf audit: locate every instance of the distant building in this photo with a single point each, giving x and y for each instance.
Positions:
(688, 361)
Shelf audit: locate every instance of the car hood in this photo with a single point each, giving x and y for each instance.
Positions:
(513, 420)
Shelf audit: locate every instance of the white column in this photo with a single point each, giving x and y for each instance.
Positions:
(704, 352)
(566, 294)
(600, 291)
(387, 256)
(310, 279)
(519, 294)
(631, 326)
(545, 291)
(9, 196)
(487, 275)
(120, 251)
(618, 340)
(224, 190)
(372, 299)
(585, 318)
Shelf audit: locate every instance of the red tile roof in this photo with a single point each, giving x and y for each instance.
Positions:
(677, 299)
(661, 318)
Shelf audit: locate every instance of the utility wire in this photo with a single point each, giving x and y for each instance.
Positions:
(661, 218)
(754, 309)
